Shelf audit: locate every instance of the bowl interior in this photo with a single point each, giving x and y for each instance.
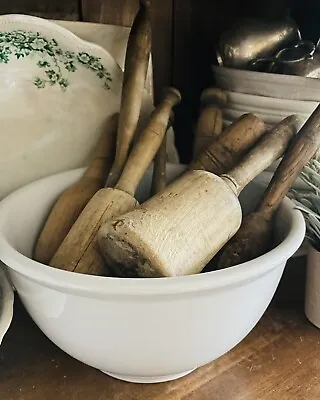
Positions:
(23, 212)
(55, 185)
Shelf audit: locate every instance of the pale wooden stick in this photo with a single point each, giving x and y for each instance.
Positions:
(210, 122)
(135, 71)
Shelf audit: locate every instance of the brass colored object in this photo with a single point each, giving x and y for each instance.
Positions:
(249, 39)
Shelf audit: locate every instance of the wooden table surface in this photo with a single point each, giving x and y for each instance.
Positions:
(279, 360)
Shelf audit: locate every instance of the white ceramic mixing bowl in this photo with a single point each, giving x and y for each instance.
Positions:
(140, 330)
(6, 303)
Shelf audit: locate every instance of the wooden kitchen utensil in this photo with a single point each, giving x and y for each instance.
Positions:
(79, 251)
(224, 151)
(229, 147)
(209, 124)
(178, 231)
(73, 200)
(254, 236)
(134, 77)
(159, 166)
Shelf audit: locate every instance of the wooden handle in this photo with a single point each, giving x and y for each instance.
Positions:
(269, 148)
(214, 96)
(229, 147)
(103, 155)
(135, 71)
(148, 143)
(159, 167)
(209, 126)
(209, 122)
(78, 252)
(298, 154)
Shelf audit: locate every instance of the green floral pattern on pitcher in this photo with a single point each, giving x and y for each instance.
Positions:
(53, 60)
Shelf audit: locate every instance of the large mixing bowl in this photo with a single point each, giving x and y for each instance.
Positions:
(140, 330)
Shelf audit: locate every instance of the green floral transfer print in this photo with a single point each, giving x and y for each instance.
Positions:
(53, 60)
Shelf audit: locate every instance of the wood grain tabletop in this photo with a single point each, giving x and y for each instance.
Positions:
(278, 360)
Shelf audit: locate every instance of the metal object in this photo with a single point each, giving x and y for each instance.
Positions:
(249, 39)
(302, 59)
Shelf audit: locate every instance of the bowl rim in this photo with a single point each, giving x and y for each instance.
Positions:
(259, 101)
(6, 310)
(88, 285)
(271, 76)
(264, 112)
(267, 84)
(234, 113)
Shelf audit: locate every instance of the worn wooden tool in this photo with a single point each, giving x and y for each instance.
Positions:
(79, 251)
(73, 200)
(229, 147)
(134, 77)
(159, 166)
(224, 151)
(178, 231)
(254, 237)
(209, 124)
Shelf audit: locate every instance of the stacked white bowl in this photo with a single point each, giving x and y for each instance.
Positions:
(269, 96)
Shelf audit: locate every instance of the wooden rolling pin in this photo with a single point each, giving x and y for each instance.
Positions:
(210, 121)
(79, 251)
(134, 77)
(230, 146)
(73, 200)
(254, 236)
(178, 231)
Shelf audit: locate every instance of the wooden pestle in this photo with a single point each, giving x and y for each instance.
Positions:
(178, 231)
(230, 146)
(134, 77)
(254, 236)
(73, 200)
(159, 166)
(209, 124)
(79, 251)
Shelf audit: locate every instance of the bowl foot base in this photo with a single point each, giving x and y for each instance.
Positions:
(148, 379)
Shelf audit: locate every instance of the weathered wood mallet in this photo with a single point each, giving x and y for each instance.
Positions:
(79, 251)
(178, 231)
